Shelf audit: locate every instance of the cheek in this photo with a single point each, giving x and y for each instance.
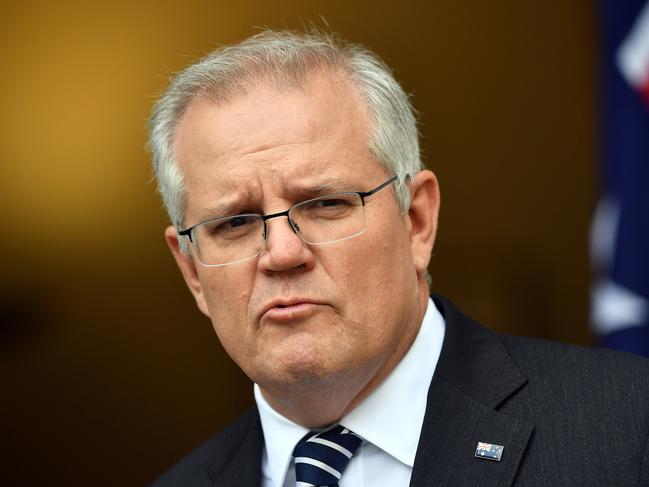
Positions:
(227, 294)
(369, 273)
(379, 277)
(379, 259)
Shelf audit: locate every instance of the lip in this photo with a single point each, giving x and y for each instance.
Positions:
(289, 309)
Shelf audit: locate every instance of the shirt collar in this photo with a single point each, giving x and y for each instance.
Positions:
(400, 401)
(280, 437)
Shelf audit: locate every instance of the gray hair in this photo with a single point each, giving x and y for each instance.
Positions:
(286, 58)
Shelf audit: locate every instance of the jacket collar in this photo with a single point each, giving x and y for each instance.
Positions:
(243, 468)
(474, 376)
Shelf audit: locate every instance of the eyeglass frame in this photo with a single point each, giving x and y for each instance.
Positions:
(187, 232)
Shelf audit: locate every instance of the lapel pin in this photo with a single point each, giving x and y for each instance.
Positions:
(489, 451)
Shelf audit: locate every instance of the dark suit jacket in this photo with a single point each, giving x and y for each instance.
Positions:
(566, 415)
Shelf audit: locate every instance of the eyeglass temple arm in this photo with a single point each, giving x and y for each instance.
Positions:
(187, 232)
(365, 194)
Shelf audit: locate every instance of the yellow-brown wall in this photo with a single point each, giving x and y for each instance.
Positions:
(108, 371)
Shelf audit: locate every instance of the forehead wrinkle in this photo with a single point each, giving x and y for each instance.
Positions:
(262, 149)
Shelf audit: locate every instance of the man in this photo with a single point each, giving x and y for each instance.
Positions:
(303, 224)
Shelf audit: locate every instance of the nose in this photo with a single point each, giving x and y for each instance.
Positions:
(284, 250)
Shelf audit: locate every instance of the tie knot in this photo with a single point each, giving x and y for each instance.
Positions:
(320, 458)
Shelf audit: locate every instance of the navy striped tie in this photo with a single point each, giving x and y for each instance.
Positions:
(320, 458)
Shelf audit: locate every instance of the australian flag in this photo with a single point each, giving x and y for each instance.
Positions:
(620, 230)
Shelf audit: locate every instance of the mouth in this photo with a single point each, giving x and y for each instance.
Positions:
(290, 309)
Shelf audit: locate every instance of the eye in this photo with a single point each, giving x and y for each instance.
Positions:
(330, 203)
(334, 207)
(238, 221)
(232, 227)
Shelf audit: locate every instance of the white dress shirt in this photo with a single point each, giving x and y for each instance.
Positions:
(389, 420)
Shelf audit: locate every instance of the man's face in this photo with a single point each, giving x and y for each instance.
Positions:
(298, 316)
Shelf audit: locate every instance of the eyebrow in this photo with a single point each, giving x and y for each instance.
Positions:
(323, 187)
(216, 211)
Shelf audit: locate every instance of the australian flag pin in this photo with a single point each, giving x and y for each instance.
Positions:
(489, 451)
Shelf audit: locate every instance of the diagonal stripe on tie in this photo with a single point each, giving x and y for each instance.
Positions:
(317, 463)
(333, 445)
(321, 458)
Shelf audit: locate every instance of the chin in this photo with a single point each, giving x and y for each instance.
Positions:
(303, 372)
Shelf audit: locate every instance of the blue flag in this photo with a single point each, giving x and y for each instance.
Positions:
(620, 230)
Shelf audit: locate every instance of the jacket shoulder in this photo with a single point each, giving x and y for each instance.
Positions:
(606, 389)
(596, 381)
(539, 358)
(198, 467)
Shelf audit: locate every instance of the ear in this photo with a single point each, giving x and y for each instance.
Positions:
(187, 267)
(423, 213)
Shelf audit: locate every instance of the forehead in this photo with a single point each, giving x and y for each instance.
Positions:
(270, 138)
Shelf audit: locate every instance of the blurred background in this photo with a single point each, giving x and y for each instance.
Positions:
(109, 374)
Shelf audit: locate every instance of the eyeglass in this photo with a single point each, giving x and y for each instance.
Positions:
(323, 220)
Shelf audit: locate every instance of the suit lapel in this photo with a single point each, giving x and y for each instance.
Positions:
(474, 376)
(244, 467)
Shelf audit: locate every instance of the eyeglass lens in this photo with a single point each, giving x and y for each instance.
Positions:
(318, 221)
